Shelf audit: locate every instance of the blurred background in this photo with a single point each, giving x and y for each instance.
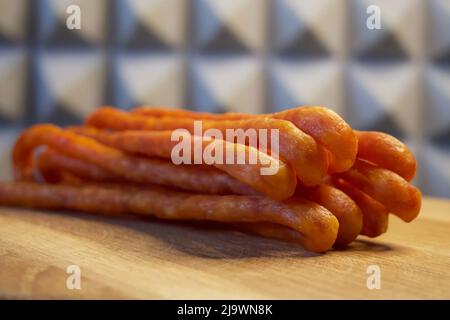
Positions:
(234, 55)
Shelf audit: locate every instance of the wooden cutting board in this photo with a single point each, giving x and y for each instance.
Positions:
(153, 259)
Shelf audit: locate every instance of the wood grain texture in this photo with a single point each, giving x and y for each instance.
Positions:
(155, 259)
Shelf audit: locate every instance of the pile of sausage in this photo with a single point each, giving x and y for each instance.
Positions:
(331, 182)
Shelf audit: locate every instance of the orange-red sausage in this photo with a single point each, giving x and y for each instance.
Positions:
(298, 149)
(375, 215)
(387, 187)
(324, 125)
(51, 164)
(386, 151)
(279, 182)
(316, 224)
(132, 168)
(341, 205)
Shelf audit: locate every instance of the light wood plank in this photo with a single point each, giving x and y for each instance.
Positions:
(154, 259)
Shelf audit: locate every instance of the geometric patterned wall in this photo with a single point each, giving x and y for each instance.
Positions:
(240, 55)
